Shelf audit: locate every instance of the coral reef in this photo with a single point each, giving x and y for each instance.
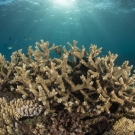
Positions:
(79, 83)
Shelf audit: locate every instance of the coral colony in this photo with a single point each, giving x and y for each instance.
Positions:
(79, 93)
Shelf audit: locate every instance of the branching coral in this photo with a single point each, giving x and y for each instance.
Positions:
(78, 81)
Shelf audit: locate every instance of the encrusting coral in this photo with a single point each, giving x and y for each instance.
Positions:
(79, 81)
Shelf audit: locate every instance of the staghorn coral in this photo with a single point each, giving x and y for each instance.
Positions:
(78, 81)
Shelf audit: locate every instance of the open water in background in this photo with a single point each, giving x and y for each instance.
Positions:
(107, 23)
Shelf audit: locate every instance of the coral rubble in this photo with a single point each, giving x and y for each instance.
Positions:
(79, 83)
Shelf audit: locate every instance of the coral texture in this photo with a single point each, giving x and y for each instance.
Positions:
(79, 82)
(11, 112)
(123, 126)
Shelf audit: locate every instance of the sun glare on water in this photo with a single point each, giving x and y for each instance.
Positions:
(65, 2)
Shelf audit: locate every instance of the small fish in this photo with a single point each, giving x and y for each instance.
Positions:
(9, 38)
(25, 38)
(9, 47)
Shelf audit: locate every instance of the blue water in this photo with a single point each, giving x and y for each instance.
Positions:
(107, 23)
